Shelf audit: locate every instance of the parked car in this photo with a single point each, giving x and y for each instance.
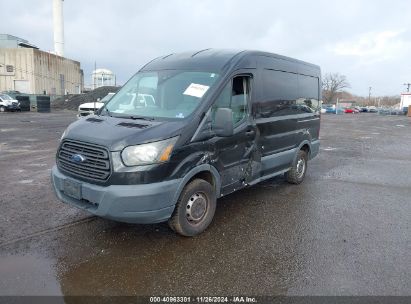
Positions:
(372, 109)
(330, 110)
(351, 110)
(363, 109)
(8, 104)
(88, 108)
(333, 110)
(204, 135)
(396, 112)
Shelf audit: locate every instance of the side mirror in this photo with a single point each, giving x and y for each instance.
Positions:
(98, 99)
(223, 122)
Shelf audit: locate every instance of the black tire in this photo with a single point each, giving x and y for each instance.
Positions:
(299, 168)
(200, 196)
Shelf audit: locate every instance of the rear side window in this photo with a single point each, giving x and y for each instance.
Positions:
(308, 88)
(286, 93)
(280, 91)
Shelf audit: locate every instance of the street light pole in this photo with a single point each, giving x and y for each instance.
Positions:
(369, 95)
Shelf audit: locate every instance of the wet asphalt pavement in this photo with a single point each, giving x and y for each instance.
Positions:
(344, 231)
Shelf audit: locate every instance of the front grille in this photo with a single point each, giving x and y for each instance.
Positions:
(95, 166)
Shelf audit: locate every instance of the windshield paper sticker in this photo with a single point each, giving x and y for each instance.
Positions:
(196, 90)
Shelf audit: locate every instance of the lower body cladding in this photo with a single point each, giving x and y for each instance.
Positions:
(138, 204)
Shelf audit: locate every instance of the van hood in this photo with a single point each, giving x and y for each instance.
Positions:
(117, 133)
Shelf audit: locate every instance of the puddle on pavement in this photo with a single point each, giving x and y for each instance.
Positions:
(182, 267)
(27, 275)
(365, 137)
(26, 181)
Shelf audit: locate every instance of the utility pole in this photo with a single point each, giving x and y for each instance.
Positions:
(336, 106)
(408, 86)
(94, 75)
(369, 95)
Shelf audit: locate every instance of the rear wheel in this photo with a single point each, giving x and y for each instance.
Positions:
(299, 168)
(195, 208)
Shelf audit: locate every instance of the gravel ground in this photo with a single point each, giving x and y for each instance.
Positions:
(344, 231)
(72, 102)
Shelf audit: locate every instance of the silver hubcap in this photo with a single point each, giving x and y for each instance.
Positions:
(196, 207)
(300, 167)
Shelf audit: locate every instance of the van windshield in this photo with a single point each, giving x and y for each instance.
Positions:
(161, 94)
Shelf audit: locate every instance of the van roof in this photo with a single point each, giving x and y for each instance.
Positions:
(214, 60)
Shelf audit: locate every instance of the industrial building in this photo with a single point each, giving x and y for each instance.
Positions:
(25, 68)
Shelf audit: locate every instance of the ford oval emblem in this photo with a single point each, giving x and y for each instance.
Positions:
(78, 158)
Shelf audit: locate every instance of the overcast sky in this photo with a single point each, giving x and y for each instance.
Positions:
(368, 41)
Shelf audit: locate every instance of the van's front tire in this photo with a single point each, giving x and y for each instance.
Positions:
(299, 168)
(195, 208)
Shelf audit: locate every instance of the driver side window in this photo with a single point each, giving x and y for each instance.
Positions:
(235, 96)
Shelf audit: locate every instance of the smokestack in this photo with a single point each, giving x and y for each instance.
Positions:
(58, 26)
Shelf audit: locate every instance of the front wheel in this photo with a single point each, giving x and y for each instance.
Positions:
(299, 168)
(195, 208)
(2, 109)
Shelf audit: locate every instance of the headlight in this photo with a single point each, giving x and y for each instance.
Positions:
(146, 154)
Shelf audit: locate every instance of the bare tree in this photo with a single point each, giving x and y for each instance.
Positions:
(333, 83)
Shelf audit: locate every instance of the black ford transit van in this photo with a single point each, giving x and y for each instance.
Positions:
(187, 129)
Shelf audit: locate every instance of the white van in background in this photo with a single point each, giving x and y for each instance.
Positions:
(8, 104)
(88, 108)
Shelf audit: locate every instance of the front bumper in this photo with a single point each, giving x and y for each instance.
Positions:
(81, 114)
(140, 204)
